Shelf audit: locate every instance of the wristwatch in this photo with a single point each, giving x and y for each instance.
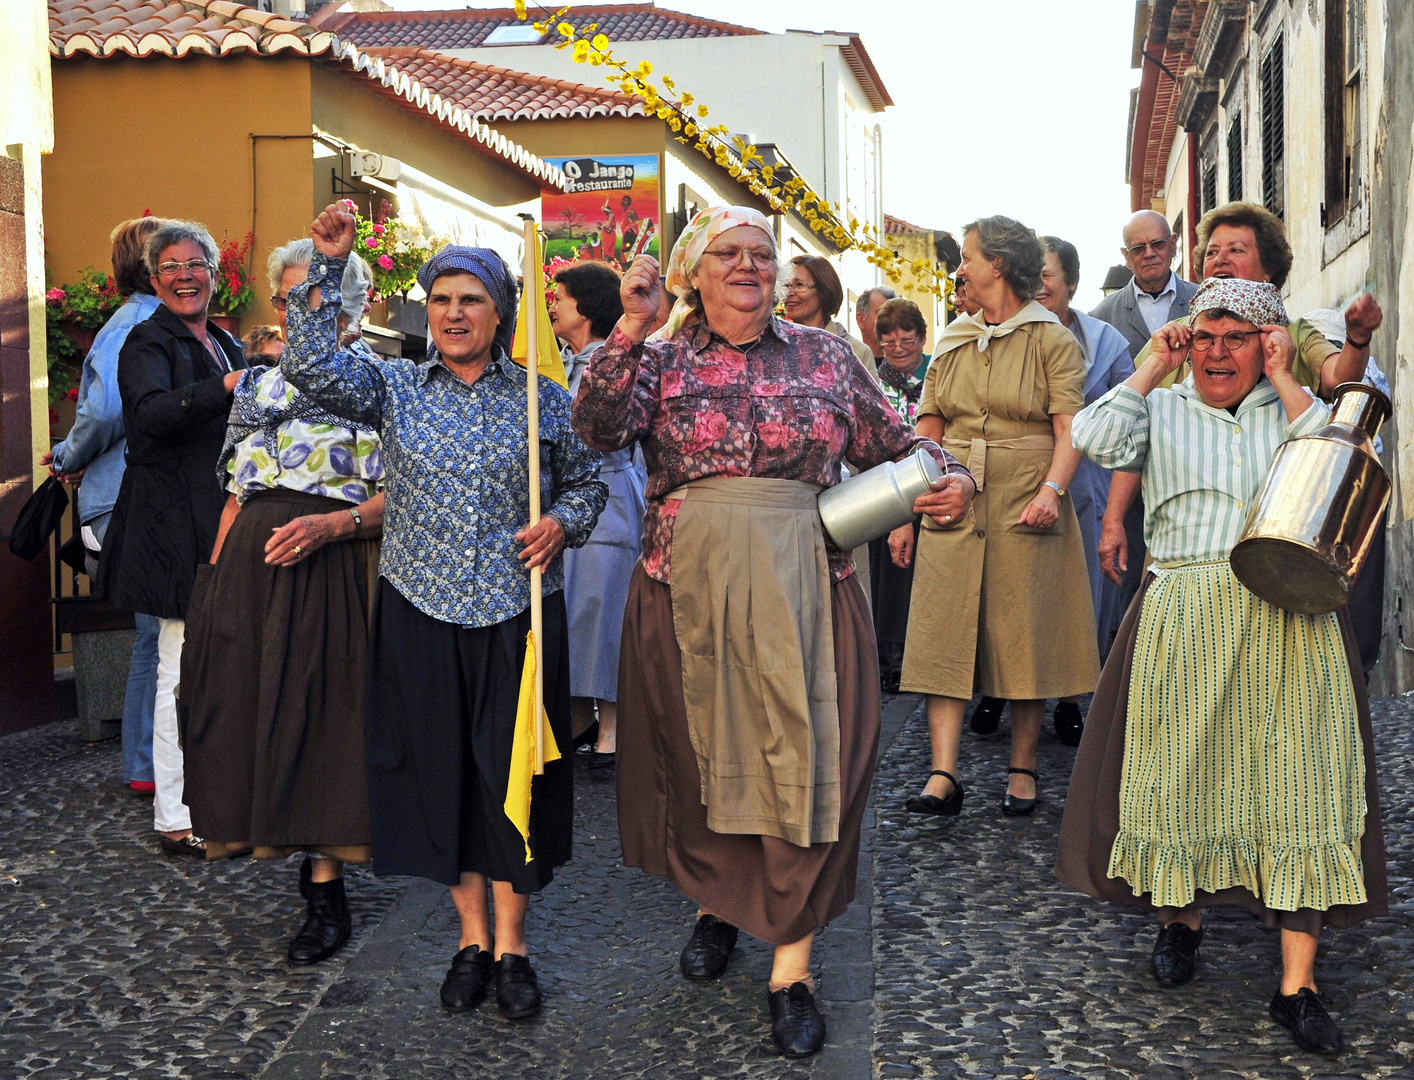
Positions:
(358, 520)
(1055, 487)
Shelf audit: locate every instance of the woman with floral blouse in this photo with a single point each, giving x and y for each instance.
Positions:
(277, 633)
(452, 612)
(747, 730)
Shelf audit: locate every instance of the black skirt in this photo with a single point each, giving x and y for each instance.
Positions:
(273, 688)
(441, 720)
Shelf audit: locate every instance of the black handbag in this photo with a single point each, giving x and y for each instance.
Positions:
(38, 518)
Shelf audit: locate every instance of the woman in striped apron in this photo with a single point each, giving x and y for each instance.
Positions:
(1228, 756)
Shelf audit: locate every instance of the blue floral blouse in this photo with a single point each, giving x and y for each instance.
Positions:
(455, 459)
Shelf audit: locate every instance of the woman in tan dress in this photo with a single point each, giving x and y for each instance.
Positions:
(1001, 600)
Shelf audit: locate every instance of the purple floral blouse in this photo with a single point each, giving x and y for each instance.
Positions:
(791, 406)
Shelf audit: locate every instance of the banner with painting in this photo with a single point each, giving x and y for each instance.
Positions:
(609, 213)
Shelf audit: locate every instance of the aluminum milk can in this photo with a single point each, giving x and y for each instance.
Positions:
(878, 501)
(1311, 525)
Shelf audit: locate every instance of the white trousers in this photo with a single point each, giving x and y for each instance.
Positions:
(169, 813)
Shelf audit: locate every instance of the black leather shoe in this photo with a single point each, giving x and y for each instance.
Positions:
(1014, 807)
(1069, 723)
(467, 979)
(797, 1028)
(931, 804)
(517, 989)
(1175, 956)
(1311, 1026)
(987, 715)
(306, 876)
(706, 952)
(328, 925)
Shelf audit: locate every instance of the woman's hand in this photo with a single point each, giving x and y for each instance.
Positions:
(1043, 510)
(1114, 549)
(334, 231)
(1362, 318)
(301, 538)
(1168, 348)
(641, 294)
(901, 546)
(1278, 352)
(543, 541)
(948, 501)
(47, 460)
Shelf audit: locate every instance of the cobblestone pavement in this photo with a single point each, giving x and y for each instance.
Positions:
(961, 957)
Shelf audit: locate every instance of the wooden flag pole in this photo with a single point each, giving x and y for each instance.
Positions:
(532, 411)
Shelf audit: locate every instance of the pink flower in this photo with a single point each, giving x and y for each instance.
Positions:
(371, 243)
(73, 394)
(670, 384)
(774, 434)
(385, 262)
(721, 369)
(353, 206)
(379, 230)
(823, 427)
(56, 296)
(769, 389)
(708, 428)
(824, 375)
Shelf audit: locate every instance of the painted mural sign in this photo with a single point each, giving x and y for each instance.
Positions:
(609, 213)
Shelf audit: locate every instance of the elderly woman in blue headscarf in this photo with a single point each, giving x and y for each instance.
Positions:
(451, 613)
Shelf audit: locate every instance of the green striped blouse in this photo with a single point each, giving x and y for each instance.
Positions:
(1201, 466)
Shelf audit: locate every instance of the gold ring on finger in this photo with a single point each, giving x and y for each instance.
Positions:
(297, 549)
(947, 519)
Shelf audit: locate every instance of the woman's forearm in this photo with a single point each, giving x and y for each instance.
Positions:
(228, 517)
(1065, 459)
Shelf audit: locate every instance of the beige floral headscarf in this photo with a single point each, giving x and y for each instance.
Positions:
(705, 227)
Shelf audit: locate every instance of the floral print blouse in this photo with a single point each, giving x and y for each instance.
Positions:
(791, 406)
(319, 458)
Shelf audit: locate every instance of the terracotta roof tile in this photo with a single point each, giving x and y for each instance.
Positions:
(469, 29)
(219, 27)
(175, 28)
(898, 227)
(495, 93)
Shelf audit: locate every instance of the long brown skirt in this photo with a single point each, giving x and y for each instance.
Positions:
(770, 888)
(273, 691)
(1091, 820)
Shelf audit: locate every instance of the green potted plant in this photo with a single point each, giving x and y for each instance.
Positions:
(232, 292)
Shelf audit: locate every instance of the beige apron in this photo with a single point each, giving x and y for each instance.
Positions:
(751, 612)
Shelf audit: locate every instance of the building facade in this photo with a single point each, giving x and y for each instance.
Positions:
(1305, 107)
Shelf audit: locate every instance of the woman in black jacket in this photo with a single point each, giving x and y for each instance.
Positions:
(175, 374)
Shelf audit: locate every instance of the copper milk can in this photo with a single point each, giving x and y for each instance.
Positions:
(1311, 526)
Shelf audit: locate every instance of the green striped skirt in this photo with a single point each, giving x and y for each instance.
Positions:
(1243, 764)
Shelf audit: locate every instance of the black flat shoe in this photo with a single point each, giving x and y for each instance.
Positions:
(1311, 1026)
(517, 989)
(797, 1028)
(1069, 723)
(327, 926)
(190, 845)
(931, 804)
(467, 979)
(601, 762)
(706, 952)
(987, 715)
(1175, 956)
(1014, 807)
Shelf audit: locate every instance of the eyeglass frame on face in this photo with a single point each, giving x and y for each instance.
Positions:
(1211, 339)
(912, 343)
(755, 256)
(797, 286)
(278, 302)
(171, 267)
(1137, 251)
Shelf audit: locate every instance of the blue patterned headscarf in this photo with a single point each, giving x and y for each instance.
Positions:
(491, 270)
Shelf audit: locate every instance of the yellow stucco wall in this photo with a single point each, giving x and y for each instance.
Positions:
(174, 137)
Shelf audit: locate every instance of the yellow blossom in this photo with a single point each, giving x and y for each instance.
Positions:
(566, 30)
(520, 9)
(581, 51)
(601, 42)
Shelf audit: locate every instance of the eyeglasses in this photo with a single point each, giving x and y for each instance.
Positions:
(900, 344)
(191, 266)
(279, 303)
(1232, 340)
(1156, 246)
(799, 286)
(759, 257)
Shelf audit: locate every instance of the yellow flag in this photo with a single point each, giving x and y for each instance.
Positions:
(532, 306)
(523, 750)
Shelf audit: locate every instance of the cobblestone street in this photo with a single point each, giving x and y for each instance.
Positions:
(961, 957)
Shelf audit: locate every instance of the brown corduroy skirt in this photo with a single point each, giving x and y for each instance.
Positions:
(1092, 806)
(273, 691)
(772, 889)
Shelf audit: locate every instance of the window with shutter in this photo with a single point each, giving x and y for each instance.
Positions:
(1235, 150)
(1344, 108)
(1271, 78)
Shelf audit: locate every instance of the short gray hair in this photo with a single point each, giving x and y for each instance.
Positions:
(866, 298)
(174, 232)
(353, 289)
(1020, 250)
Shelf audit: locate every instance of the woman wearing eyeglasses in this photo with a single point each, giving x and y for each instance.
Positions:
(1228, 756)
(813, 298)
(748, 728)
(176, 372)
